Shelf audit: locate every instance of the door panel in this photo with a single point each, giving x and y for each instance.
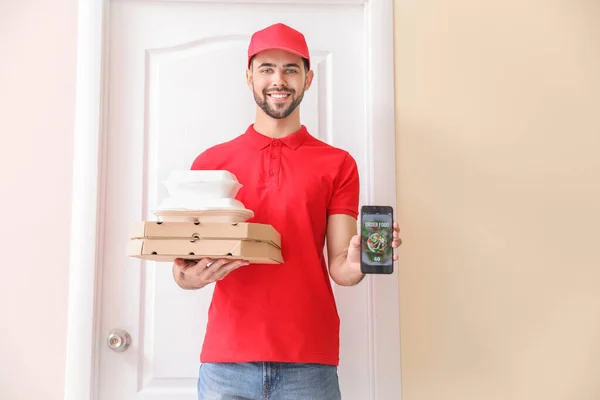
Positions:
(176, 87)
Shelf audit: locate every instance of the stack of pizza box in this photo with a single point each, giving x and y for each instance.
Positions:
(202, 219)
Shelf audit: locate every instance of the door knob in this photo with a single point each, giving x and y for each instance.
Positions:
(119, 340)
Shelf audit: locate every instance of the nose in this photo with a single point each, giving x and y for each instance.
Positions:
(278, 79)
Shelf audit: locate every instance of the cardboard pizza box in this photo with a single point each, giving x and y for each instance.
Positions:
(254, 252)
(206, 230)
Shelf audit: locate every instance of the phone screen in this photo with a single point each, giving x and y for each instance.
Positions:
(376, 241)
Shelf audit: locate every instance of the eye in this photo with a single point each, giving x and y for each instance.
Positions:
(291, 71)
(266, 71)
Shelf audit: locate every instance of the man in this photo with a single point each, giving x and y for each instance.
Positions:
(273, 330)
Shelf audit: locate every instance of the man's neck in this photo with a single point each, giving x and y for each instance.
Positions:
(277, 128)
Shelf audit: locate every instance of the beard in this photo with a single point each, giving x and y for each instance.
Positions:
(278, 110)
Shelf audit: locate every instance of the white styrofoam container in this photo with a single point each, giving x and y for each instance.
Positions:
(201, 176)
(205, 183)
(204, 216)
(201, 203)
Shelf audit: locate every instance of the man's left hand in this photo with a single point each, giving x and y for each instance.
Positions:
(353, 259)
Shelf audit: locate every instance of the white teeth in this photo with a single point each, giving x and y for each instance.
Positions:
(280, 96)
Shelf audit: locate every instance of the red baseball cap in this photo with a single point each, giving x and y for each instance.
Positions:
(278, 36)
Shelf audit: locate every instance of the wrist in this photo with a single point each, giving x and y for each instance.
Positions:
(357, 274)
(184, 282)
(348, 273)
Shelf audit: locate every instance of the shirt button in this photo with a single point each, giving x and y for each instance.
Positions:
(274, 157)
(272, 173)
(274, 143)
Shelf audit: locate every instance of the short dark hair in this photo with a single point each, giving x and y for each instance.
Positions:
(303, 60)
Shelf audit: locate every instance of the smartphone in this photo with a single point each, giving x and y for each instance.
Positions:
(376, 229)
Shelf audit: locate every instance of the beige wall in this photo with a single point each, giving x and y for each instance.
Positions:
(498, 124)
(37, 88)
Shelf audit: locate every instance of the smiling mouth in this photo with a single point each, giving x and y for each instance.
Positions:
(279, 96)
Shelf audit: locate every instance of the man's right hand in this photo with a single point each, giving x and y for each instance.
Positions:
(195, 274)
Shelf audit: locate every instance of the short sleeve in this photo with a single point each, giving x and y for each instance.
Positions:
(346, 191)
(202, 162)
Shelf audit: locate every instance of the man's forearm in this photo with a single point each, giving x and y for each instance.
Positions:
(343, 273)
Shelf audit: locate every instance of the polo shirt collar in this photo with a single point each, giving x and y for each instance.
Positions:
(260, 141)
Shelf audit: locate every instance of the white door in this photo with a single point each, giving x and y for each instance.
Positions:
(175, 87)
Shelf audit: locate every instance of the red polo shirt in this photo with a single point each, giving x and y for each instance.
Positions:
(285, 312)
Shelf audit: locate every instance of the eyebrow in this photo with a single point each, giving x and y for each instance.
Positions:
(275, 66)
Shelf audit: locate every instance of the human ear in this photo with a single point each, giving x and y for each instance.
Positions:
(249, 78)
(308, 80)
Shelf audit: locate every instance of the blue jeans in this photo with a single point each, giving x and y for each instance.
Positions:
(268, 381)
